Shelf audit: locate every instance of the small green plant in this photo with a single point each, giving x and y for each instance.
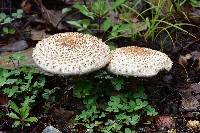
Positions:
(17, 57)
(6, 22)
(157, 24)
(22, 85)
(100, 84)
(98, 20)
(21, 114)
(194, 3)
(119, 112)
(8, 30)
(21, 81)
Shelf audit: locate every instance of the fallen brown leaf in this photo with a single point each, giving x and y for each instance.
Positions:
(52, 17)
(14, 46)
(194, 124)
(190, 96)
(26, 6)
(165, 122)
(37, 35)
(3, 99)
(194, 56)
(62, 113)
(183, 60)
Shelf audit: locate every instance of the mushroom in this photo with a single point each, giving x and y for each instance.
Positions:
(71, 53)
(138, 62)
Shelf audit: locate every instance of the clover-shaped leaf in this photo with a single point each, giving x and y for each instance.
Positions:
(140, 104)
(151, 111)
(134, 119)
(17, 57)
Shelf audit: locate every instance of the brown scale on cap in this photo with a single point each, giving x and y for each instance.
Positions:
(62, 53)
(73, 40)
(135, 51)
(138, 62)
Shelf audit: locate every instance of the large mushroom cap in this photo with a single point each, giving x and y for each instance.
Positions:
(71, 53)
(138, 62)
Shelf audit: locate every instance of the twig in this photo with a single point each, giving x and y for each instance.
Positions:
(191, 43)
(174, 5)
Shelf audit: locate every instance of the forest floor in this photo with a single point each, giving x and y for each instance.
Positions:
(174, 94)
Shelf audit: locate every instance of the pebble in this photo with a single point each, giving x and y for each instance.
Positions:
(51, 129)
(14, 47)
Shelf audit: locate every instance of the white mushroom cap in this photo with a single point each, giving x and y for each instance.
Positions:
(71, 53)
(138, 62)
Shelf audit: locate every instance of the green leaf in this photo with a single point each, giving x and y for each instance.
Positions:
(122, 118)
(27, 124)
(14, 107)
(195, 3)
(132, 106)
(31, 119)
(19, 11)
(10, 92)
(14, 14)
(2, 81)
(85, 23)
(90, 102)
(151, 111)
(134, 119)
(80, 24)
(124, 28)
(103, 114)
(24, 110)
(114, 104)
(29, 100)
(90, 126)
(11, 31)
(117, 3)
(84, 10)
(24, 88)
(66, 10)
(17, 56)
(118, 83)
(18, 14)
(13, 115)
(106, 24)
(7, 20)
(114, 31)
(89, 114)
(5, 30)
(99, 7)
(140, 104)
(11, 81)
(47, 93)
(139, 93)
(83, 89)
(16, 124)
(40, 83)
(128, 130)
(75, 23)
(2, 17)
(4, 73)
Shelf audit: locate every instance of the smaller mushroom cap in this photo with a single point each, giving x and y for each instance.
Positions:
(138, 62)
(71, 53)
